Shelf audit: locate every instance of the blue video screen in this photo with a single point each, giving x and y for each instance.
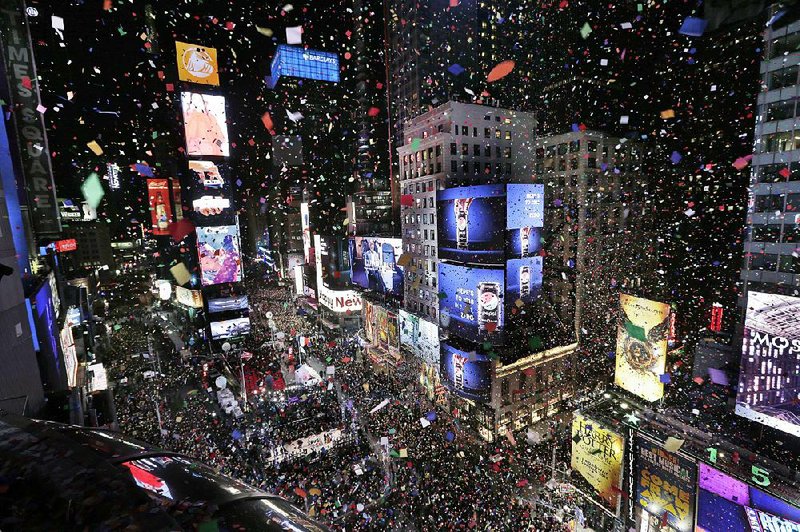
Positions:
(374, 264)
(524, 242)
(472, 302)
(299, 62)
(523, 279)
(469, 374)
(471, 224)
(525, 206)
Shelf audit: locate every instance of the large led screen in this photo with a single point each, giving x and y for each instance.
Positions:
(224, 304)
(298, 62)
(642, 327)
(205, 124)
(725, 503)
(197, 64)
(220, 258)
(421, 337)
(769, 380)
(665, 485)
(525, 205)
(334, 261)
(230, 328)
(159, 205)
(523, 279)
(374, 264)
(207, 174)
(471, 224)
(597, 457)
(472, 302)
(468, 374)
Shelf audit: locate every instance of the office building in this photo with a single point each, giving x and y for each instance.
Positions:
(93, 248)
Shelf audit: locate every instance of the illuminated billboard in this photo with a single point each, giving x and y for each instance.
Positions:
(305, 226)
(665, 485)
(230, 328)
(207, 174)
(190, 298)
(523, 279)
(369, 321)
(769, 380)
(205, 124)
(525, 206)
(421, 337)
(332, 264)
(468, 374)
(472, 301)
(159, 205)
(220, 258)
(726, 503)
(471, 225)
(197, 64)
(374, 264)
(211, 205)
(224, 304)
(299, 62)
(642, 327)
(597, 457)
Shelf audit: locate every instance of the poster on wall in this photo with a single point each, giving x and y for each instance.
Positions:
(466, 373)
(665, 485)
(197, 64)
(597, 457)
(726, 503)
(769, 381)
(375, 264)
(205, 124)
(642, 328)
(470, 224)
(159, 205)
(472, 302)
(220, 258)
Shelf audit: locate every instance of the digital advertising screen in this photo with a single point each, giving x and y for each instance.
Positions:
(471, 224)
(211, 205)
(421, 337)
(665, 485)
(725, 503)
(369, 321)
(523, 279)
(207, 174)
(190, 298)
(524, 206)
(205, 124)
(597, 457)
(230, 328)
(160, 205)
(224, 304)
(305, 226)
(197, 64)
(374, 264)
(220, 256)
(472, 301)
(334, 260)
(299, 62)
(642, 329)
(468, 374)
(769, 380)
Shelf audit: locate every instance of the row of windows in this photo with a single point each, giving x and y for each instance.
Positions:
(778, 173)
(422, 249)
(427, 309)
(487, 132)
(784, 45)
(780, 142)
(785, 77)
(770, 262)
(772, 233)
(479, 168)
(427, 186)
(420, 218)
(476, 150)
(775, 202)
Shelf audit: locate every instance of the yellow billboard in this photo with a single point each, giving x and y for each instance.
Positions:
(197, 64)
(642, 329)
(597, 456)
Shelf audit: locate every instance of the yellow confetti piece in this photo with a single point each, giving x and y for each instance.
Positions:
(95, 147)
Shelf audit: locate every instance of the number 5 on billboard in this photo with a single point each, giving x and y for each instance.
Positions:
(760, 476)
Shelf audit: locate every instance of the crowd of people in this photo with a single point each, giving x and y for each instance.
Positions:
(401, 463)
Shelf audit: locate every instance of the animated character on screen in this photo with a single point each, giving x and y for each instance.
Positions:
(461, 207)
(198, 62)
(489, 308)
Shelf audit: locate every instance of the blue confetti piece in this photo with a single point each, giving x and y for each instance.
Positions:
(455, 69)
(693, 27)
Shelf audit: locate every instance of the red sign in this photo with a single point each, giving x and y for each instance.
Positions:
(716, 317)
(66, 245)
(160, 205)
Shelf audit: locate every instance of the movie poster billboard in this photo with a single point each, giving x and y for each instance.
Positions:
(642, 328)
(197, 64)
(769, 380)
(230, 328)
(159, 205)
(466, 373)
(472, 302)
(220, 256)
(726, 503)
(597, 457)
(471, 224)
(421, 337)
(205, 124)
(375, 264)
(665, 485)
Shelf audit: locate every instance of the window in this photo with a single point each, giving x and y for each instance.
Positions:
(476, 150)
(465, 166)
(453, 148)
(766, 233)
(453, 166)
(506, 152)
(438, 150)
(562, 148)
(769, 203)
(763, 261)
(562, 164)
(777, 142)
(487, 132)
(456, 126)
(785, 45)
(508, 134)
(487, 151)
(475, 132)
(592, 146)
(497, 133)
(573, 163)
(465, 150)
(574, 146)
(780, 110)
(789, 264)
(592, 162)
(785, 77)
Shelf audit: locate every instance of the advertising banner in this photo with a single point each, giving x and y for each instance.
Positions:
(224, 304)
(333, 267)
(305, 225)
(665, 485)
(159, 205)
(211, 205)
(374, 264)
(468, 374)
(470, 224)
(421, 336)
(369, 321)
(769, 382)
(381, 325)
(299, 62)
(70, 355)
(472, 301)
(597, 457)
(523, 279)
(197, 64)
(725, 503)
(642, 327)
(190, 298)
(205, 124)
(207, 174)
(525, 206)
(230, 328)
(220, 258)
(69, 244)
